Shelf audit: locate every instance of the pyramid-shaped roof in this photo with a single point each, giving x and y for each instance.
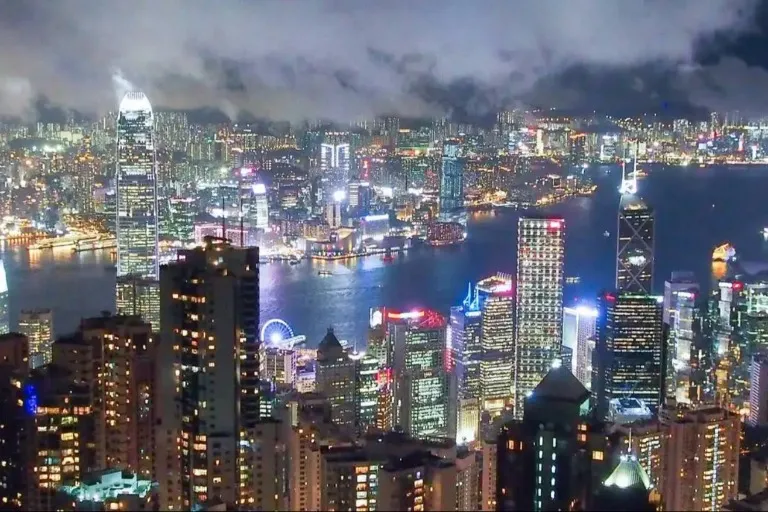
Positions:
(560, 384)
(629, 473)
(329, 342)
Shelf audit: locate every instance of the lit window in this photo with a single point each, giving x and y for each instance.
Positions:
(597, 455)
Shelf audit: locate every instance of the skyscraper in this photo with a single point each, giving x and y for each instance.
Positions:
(260, 207)
(421, 387)
(451, 181)
(634, 256)
(37, 326)
(497, 342)
(208, 386)
(578, 329)
(628, 361)
(539, 301)
(137, 262)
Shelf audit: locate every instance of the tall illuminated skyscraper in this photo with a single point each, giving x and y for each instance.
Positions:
(260, 207)
(451, 181)
(578, 330)
(37, 326)
(497, 343)
(634, 256)
(137, 261)
(539, 301)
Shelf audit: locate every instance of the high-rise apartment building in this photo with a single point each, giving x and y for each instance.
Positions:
(208, 383)
(37, 326)
(628, 361)
(137, 248)
(367, 391)
(113, 359)
(635, 242)
(702, 458)
(579, 328)
(451, 181)
(539, 301)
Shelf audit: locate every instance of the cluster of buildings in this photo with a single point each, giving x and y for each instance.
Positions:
(187, 400)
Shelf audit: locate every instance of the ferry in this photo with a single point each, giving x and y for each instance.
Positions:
(572, 280)
(324, 273)
(765, 233)
(294, 261)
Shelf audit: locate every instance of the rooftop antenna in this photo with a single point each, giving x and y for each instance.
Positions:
(223, 214)
(242, 231)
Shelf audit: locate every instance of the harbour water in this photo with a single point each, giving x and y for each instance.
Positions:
(696, 208)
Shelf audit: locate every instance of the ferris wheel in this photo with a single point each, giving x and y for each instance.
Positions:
(274, 331)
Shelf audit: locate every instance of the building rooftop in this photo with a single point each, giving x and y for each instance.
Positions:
(629, 473)
(560, 384)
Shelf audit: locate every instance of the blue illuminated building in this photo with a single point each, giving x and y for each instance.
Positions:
(451, 182)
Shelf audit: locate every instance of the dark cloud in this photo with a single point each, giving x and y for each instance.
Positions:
(345, 59)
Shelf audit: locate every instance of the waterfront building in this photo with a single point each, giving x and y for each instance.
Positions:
(136, 224)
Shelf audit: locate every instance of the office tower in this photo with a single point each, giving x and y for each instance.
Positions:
(335, 158)
(335, 379)
(465, 354)
(679, 282)
(113, 359)
(579, 327)
(702, 458)
(55, 410)
(553, 458)
(758, 392)
(682, 342)
(37, 326)
(419, 481)
(627, 488)
(451, 181)
(539, 301)
(420, 381)
(260, 207)
(628, 358)
(360, 194)
(208, 384)
(137, 263)
(333, 213)
(5, 320)
(366, 391)
(497, 343)
(635, 242)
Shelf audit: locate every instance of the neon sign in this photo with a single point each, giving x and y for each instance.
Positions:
(410, 315)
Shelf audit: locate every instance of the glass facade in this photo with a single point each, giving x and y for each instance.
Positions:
(634, 261)
(136, 222)
(629, 353)
(539, 302)
(451, 180)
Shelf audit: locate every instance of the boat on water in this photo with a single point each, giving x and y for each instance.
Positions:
(572, 280)
(324, 273)
(294, 261)
(765, 233)
(606, 234)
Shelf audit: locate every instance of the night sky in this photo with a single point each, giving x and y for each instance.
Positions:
(348, 59)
